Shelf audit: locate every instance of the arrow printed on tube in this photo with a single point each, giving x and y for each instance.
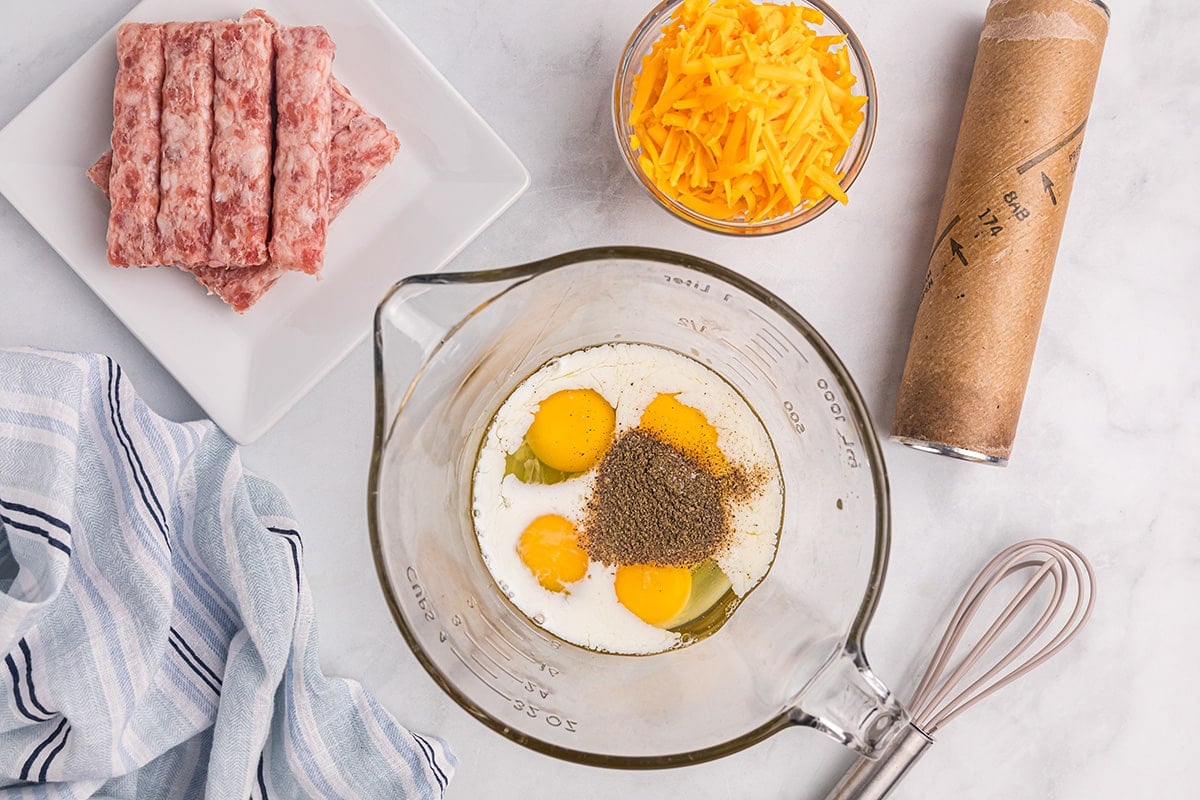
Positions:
(957, 250)
(1048, 185)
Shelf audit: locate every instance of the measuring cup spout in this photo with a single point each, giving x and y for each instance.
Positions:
(848, 702)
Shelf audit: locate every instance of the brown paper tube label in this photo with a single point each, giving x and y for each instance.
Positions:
(998, 232)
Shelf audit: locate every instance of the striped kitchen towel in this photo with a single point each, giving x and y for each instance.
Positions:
(155, 624)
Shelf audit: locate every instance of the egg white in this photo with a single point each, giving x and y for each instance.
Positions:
(629, 377)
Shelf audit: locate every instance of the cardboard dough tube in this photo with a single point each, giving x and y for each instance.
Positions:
(998, 232)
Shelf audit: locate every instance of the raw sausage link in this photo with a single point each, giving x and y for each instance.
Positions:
(185, 182)
(300, 212)
(241, 149)
(357, 155)
(133, 181)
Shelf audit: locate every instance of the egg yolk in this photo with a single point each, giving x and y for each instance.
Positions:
(656, 594)
(549, 546)
(687, 430)
(572, 429)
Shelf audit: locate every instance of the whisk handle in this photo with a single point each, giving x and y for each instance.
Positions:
(874, 779)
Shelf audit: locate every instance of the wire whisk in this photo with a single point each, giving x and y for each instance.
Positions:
(941, 697)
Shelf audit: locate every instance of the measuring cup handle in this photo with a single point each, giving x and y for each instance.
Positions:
(848, 702)
(418, 316)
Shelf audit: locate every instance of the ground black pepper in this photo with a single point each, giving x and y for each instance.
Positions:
(651, 504)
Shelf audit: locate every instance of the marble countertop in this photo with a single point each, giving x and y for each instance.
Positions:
(1107, 457)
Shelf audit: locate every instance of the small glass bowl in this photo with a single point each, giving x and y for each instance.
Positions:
(644, 37)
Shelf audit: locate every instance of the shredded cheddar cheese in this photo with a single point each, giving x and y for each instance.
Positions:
(742, 111)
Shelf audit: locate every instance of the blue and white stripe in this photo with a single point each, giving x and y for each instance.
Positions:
(155, 624)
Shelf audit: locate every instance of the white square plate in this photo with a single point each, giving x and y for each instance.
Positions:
(452, 177)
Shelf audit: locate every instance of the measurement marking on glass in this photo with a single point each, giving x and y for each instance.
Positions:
(483, 666)
(532, 688)
(789, 408)
(517, 650)
(548, 639)
(493, 661)
(753, 360)
(457, 621)
(764, 339)
(780, 338)
(771, 326)
(486, 683)
(735, 367)
(497, 647)
(757, 347)
(835, 409)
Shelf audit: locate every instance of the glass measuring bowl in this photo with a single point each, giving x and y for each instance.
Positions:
(449, 349)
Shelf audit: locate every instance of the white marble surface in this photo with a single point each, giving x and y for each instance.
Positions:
(1108, 454)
